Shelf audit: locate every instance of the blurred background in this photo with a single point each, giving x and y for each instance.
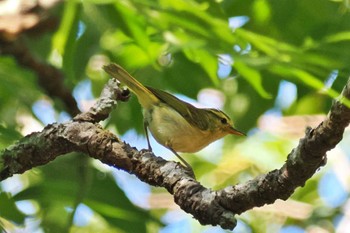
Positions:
(273, 66)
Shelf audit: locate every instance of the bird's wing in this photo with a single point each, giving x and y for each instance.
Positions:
(192, 114)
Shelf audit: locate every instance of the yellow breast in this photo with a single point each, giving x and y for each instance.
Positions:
(171, 130)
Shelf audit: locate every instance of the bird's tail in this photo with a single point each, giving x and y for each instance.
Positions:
(146, 98)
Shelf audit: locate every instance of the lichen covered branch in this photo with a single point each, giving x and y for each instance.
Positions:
(219, 207)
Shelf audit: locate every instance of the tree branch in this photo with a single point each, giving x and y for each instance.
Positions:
(207, 206)
(106, 103)
(49, 78)
(12, 30)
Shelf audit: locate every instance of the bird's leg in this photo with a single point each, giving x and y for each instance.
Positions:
(188, 166)
(145, 126)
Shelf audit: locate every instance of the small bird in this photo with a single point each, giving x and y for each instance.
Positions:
(175, 124)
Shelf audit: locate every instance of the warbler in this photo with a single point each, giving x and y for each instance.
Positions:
(175, 124)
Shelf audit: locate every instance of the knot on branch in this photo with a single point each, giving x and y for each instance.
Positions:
(106, 103)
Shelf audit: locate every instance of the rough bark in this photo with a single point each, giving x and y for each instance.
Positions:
(218, 207)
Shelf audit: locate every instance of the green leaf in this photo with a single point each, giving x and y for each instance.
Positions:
(309, 80)
(206, 60)
(253, 77)
(9, 210)
(8, 135)
(56, 187)
(309, 104)
(108, 200)
(338, 37)
(134, 24)
(18, 90)
(64, 41)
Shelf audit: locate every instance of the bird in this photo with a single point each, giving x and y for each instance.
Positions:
(175, 124)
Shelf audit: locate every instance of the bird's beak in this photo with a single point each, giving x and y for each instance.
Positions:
(234, 131)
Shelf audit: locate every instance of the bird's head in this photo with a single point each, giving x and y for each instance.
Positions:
(222, 123)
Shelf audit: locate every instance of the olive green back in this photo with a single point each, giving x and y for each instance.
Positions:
(195, 116)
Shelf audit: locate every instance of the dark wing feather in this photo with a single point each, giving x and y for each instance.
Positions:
(195, 116)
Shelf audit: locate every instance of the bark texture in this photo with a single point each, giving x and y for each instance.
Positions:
(84, 134)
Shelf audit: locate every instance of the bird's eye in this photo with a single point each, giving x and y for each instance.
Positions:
(223, 120)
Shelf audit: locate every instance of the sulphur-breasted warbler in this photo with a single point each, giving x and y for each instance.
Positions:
(175, 124)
